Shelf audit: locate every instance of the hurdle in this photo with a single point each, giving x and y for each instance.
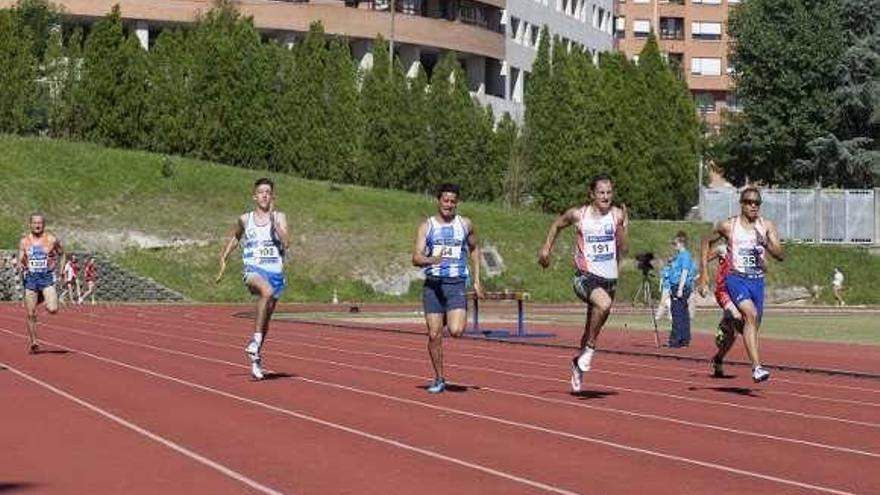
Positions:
(507, 295)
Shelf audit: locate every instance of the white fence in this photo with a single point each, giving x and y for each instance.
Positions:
(830, 216)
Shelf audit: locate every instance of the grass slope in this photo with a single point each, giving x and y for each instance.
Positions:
(341, 234)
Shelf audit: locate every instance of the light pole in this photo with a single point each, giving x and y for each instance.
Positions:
(391, 40)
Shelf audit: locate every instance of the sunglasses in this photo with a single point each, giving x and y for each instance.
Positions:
(751, 202)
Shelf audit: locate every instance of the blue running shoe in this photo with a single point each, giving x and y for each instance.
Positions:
(437, 386)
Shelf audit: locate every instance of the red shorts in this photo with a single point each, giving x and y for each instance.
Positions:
(721, 296)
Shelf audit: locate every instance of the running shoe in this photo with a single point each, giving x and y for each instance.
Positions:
(719, 337)
(33, 348)
(256, 369)
(437, 386)
(252, 348)
(577, 376)
(717, 368)
(759, 374)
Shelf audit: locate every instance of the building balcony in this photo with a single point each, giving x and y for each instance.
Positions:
(467, 28)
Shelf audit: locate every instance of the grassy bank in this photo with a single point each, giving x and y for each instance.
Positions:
(342, 235)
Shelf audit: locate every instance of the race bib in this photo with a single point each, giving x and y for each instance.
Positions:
(267, 252)
(39, 264)
(446, 252)
(601, 251)
(749, 258)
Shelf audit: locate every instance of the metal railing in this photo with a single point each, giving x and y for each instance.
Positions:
(825, 216)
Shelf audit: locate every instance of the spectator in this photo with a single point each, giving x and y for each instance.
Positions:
(682, 275)
(837, 286)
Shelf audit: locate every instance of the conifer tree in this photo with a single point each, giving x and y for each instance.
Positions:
(18, 76)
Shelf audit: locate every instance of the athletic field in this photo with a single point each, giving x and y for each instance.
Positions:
(158, 399)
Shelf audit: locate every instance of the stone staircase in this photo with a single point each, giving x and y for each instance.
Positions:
(114, 283)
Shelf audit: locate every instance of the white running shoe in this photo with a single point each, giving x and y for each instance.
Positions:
(577, 376)
(252, 348)
(256, 369)
(759, 374)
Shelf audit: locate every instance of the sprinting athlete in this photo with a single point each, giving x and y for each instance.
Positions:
(38, 253)
(266, 240)
(601, 244)
(749, 238)
(444, 244)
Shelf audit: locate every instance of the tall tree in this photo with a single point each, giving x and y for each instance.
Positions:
(786, 54)
(170, 101)
(18, 76)
(672, 128)
(110, 99)
(850, 155)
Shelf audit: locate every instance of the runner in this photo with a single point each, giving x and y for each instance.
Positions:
(601, 243)
(70, 276)
(266, 240)
(90, 275)
(749, 237)
(443, 244)
(38, 252)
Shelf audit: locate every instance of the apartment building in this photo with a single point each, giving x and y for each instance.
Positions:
(495, 40)
(692, 34)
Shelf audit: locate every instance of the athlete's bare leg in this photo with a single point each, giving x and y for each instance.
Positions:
(597, 314)
(434, 322)
(258, 286)
(750, 330)
(31, 299)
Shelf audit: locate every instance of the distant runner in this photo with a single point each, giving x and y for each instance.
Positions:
(38, 253)
(266, 240)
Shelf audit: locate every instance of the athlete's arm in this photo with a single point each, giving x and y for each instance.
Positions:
(237, 231)
(283, 231)
(419, 258)
(474, 248)
(570, 217)
(771, 241)
(20, 267)
(719, 232)
(59, 251)
(622, 233)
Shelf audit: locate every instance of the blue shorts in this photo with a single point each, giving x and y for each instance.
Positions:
(275, 280)
(742, 287)
(440, 295)
(37, 282)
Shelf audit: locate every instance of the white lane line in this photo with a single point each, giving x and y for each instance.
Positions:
(313, 419)
(152, 436)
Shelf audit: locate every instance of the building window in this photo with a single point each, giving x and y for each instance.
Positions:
(514, 28)
(641, 1)
(620, 27)
(534, 35)
(671, 28)
(733, 103)
(641, 28)
(706, 2)
(706, 31)
(706, 66)
(705, 102)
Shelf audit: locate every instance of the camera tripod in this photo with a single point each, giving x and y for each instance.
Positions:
(645, 295)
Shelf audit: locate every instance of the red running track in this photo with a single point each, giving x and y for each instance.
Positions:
(138, 399)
